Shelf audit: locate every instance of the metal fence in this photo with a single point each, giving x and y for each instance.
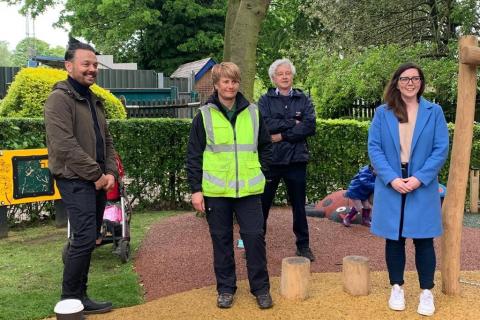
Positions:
(6, 77)
(113, 79)
(147, 110)
(182, 84)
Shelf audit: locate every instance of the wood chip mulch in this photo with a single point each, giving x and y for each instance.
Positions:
(176, 254)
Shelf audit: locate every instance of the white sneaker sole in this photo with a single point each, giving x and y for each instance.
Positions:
(425, 312)
(396, 307)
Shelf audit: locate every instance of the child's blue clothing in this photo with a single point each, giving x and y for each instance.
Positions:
(362, 184)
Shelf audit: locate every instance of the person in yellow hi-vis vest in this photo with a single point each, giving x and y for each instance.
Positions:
(229, 151)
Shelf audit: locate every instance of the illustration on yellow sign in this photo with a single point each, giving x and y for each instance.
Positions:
(24, 177)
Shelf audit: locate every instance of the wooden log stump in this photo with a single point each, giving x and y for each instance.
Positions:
(356, 275)
(295, 278)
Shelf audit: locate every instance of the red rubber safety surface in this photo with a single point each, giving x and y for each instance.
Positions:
(176, 254)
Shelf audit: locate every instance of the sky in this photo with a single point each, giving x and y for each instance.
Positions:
(13, 27)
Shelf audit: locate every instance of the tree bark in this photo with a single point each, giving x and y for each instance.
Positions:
(242, 27)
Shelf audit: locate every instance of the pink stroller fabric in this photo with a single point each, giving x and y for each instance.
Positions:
(112, 213)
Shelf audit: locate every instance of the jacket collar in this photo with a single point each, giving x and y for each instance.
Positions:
(66, 86)
(294, 92)
(240, 100)
(424, 112)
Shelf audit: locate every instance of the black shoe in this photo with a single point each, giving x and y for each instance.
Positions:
(90, 306)
(306, 252)
(225, 300)
(264, 301)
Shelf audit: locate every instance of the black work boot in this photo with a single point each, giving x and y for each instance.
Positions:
(91, 307)
(264, 301)
(225, 300)
(305, 252)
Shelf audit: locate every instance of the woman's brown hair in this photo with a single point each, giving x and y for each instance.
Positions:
(392, 96)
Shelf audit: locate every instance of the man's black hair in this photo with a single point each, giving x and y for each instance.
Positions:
(74, 46)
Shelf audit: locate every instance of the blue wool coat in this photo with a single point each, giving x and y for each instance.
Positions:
(429, 150)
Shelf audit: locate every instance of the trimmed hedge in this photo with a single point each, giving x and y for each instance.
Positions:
(30, 89)
(153, 153)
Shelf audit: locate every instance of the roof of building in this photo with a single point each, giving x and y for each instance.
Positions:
(199, 68)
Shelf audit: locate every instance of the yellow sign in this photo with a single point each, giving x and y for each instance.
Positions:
(25, 178)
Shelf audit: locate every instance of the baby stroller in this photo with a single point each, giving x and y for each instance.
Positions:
(115, 227)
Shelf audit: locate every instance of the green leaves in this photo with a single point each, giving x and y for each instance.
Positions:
(32, 86)
(153, 153)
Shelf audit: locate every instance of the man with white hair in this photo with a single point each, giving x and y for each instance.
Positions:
(290, 117)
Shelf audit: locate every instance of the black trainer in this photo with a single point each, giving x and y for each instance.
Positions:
(225, 300)
(264, 301)
(306, 252)
(91, 307)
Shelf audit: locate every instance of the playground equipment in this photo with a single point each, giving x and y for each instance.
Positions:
(454, 205)
(24, 178)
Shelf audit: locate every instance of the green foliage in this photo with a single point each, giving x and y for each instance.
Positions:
(158, 34)
(5, 55)
(21, 133)
(32, 86)
(185, 31)
(31, 47)
(286, 32)
(337, 80)
(153, 153)
(115, 27)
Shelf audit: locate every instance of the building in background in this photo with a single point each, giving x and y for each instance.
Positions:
(199, 75)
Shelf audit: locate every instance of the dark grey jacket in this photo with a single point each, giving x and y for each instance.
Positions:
(280, 117)
(71, 135)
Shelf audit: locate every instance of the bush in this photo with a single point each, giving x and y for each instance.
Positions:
(338, 80)
(153, 153)
(32, 86)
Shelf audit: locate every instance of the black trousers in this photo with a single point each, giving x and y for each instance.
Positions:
(85, 207)
(248, 210)
(425, 259)
(295, 177)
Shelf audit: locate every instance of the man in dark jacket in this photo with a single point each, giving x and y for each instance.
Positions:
(290, 118)
(228, 149)
(82, 159)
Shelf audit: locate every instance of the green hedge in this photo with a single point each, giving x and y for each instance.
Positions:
(30, 89)
(153, 153)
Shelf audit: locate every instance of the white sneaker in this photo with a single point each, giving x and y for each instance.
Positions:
(426, 306)
(397, 298)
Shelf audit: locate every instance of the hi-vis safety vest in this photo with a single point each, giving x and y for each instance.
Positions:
(230, 161)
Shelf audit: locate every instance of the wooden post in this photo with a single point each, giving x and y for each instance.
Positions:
(3, 222)
(474, 189)
(454, 204)
(295, 278)
(356, 275)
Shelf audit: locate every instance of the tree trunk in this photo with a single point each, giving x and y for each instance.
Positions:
(242, 26)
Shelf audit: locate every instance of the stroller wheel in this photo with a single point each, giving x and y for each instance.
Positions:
(124, 250)
(66, 247)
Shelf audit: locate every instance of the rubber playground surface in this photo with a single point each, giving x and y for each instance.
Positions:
(175, 267)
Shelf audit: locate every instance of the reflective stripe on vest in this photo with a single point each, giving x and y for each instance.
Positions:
(231, 167)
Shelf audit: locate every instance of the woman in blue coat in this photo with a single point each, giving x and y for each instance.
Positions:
(407, 146)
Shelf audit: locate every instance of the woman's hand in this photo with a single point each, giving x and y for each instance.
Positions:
(412, 183)
(400, 186)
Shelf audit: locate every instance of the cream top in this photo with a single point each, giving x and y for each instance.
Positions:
(406, 134)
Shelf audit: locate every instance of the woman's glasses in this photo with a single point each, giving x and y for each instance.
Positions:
(405, 80)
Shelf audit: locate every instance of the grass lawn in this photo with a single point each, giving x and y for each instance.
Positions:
(31, 270)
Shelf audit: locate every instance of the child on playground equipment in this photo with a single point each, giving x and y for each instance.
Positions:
(360, 189)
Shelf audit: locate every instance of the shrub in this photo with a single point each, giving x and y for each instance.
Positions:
(153, 153)
(31, 87)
